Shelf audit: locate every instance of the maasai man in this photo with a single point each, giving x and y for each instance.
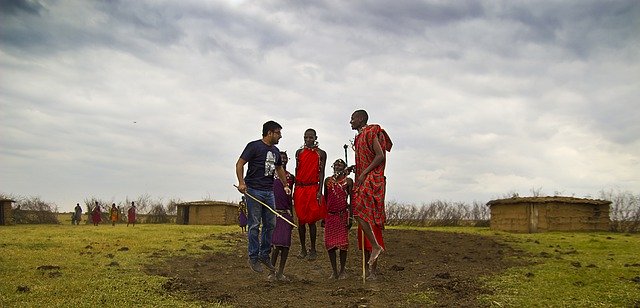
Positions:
(96, 215)
(131, 215)
(370, 145)
(77, 215)
(114, 214)
(264, 160)
(310, 163)
(337, 189)
(281, 239)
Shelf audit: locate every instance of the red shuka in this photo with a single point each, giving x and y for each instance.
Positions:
(368, 198)
(308, 180)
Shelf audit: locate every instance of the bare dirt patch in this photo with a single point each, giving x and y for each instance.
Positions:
(418, 268)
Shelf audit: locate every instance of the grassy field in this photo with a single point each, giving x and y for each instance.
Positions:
(81, 266)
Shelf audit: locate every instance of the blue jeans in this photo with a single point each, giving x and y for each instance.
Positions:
(256, 212)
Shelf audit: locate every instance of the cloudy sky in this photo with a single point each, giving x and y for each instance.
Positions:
(116, 99)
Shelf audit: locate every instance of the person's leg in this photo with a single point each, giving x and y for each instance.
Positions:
(254, 215)
(302, 231)
(343, 262)
(274, 254)
(334, 267)
(268, 224)
(376, 249)
(283, 262)
(313, 232)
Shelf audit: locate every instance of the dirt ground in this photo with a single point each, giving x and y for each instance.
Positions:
(414, 263)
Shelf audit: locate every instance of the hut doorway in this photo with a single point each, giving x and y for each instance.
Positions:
(185, 215)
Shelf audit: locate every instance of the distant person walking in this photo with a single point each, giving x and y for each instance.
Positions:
(77, 215)
(96, 214)
(131, 215)
(263, 158)
(114, 214)
(242, 214)
(307, 197)
(370, 145)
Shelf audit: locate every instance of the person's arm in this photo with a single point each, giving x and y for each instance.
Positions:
(242, 187)
(377, 160)
(323, 163)
(282, 175)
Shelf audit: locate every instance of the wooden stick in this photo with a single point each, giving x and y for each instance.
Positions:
(270, 209)
(364, 272)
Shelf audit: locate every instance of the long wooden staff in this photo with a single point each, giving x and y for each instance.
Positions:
(270, 209)
(364, 272)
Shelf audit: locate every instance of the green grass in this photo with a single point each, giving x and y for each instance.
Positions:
(571, 269)
(97, 265)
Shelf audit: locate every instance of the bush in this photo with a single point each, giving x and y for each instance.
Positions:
(624, 211)
(33, 210)
(437, 213)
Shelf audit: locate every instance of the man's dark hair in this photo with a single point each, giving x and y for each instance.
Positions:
(270, 126)
(362, 113)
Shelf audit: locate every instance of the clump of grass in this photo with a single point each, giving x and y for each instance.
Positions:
(422, 298)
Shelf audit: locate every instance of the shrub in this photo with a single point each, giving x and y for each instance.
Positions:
(33, 210)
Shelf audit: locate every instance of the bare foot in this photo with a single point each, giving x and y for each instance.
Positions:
(342, 276)
(375, 253)
(333, 277)
(282, 277)
(372, 276)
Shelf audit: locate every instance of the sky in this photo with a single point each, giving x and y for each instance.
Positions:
(482, 99)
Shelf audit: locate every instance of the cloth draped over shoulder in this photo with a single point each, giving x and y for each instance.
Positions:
(307, 185)
(368, 198)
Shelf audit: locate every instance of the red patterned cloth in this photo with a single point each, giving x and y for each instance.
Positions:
(336, 232)
(308, 180)
(131, 215)
(368, 198)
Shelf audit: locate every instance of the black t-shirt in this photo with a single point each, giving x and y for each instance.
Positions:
(262, 160)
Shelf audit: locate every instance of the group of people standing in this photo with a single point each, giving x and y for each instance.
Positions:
(95, 214)
(337, 200)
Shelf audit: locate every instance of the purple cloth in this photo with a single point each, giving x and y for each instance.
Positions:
(242, 219)
(282, 232)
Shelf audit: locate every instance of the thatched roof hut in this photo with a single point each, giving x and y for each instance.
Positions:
(540, 214)
(207, 213)
(5, 211)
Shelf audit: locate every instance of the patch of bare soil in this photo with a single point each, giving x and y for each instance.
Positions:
(414, 263)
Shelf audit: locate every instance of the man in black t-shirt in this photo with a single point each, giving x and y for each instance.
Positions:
(264, 160)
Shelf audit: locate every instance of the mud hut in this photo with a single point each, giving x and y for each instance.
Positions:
(540, 214)
(207, 213)
(5, 211)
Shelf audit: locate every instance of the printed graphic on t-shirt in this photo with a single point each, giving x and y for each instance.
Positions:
(269, 164)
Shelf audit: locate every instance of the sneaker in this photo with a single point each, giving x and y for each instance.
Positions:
(312, 255)
(255, 266)
(302, 254)
(266, 262)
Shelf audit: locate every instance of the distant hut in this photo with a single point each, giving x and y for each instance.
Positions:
(540, 214)
(207, 213)
(5, 211)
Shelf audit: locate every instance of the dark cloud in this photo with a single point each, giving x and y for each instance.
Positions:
(11, 7)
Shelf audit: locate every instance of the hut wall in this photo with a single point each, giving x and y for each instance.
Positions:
(549, 216)
(207, 214)
(514, 218)
(577, 217)
(6, 217)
